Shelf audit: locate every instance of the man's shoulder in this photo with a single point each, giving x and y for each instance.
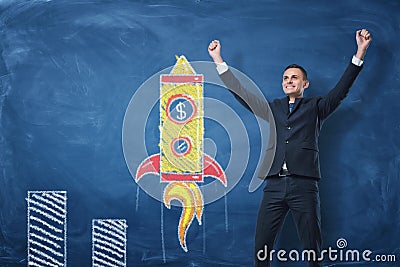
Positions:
(303, 99)
(311, 99)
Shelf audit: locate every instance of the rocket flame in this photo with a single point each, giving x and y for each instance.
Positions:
(189, 195)
(198, 200)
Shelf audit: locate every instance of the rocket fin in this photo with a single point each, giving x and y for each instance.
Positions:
(149, 165)
(213, 169)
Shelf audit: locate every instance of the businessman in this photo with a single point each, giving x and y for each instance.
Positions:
(292, 179)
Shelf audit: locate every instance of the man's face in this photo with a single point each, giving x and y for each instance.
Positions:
(293, 82)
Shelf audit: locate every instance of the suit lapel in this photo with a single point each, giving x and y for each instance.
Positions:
(284, 103)
(296, 105)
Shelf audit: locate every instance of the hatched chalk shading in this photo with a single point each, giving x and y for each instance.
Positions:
(109, 242)
(47, 228)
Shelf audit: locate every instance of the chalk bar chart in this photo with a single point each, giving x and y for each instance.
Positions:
(47, 228)
(47, 233)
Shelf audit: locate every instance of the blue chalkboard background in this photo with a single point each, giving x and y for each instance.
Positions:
(68, 70)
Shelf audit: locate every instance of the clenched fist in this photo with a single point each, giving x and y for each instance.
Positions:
(363, 39)
(214, 49)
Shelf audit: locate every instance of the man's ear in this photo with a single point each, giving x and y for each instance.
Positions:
(306, 83)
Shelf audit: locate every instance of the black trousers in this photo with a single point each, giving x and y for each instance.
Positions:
(300, 196)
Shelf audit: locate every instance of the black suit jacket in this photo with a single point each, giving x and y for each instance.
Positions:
(296, 132)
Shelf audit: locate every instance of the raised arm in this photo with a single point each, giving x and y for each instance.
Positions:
(252, 102)
(335, 96)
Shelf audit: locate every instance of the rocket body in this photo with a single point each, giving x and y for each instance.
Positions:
(181, 128)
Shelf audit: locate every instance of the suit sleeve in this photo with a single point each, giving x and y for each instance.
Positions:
(332, 100)
(249, 100)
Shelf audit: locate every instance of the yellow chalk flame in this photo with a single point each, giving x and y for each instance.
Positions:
(191, 198)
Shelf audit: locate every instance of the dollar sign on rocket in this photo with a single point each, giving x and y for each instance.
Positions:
(179, 108)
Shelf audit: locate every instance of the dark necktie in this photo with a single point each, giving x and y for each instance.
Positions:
(291, 105)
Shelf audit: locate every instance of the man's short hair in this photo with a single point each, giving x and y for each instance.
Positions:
(295, 66)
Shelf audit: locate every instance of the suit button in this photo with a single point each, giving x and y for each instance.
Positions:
(288, 128)
(287, 142)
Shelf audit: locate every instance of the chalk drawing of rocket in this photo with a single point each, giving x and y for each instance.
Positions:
(181, 162)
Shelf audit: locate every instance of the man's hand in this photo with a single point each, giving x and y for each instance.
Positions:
(214, 49)
(363, 39)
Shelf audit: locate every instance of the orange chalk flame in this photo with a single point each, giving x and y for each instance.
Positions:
(191, 198)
